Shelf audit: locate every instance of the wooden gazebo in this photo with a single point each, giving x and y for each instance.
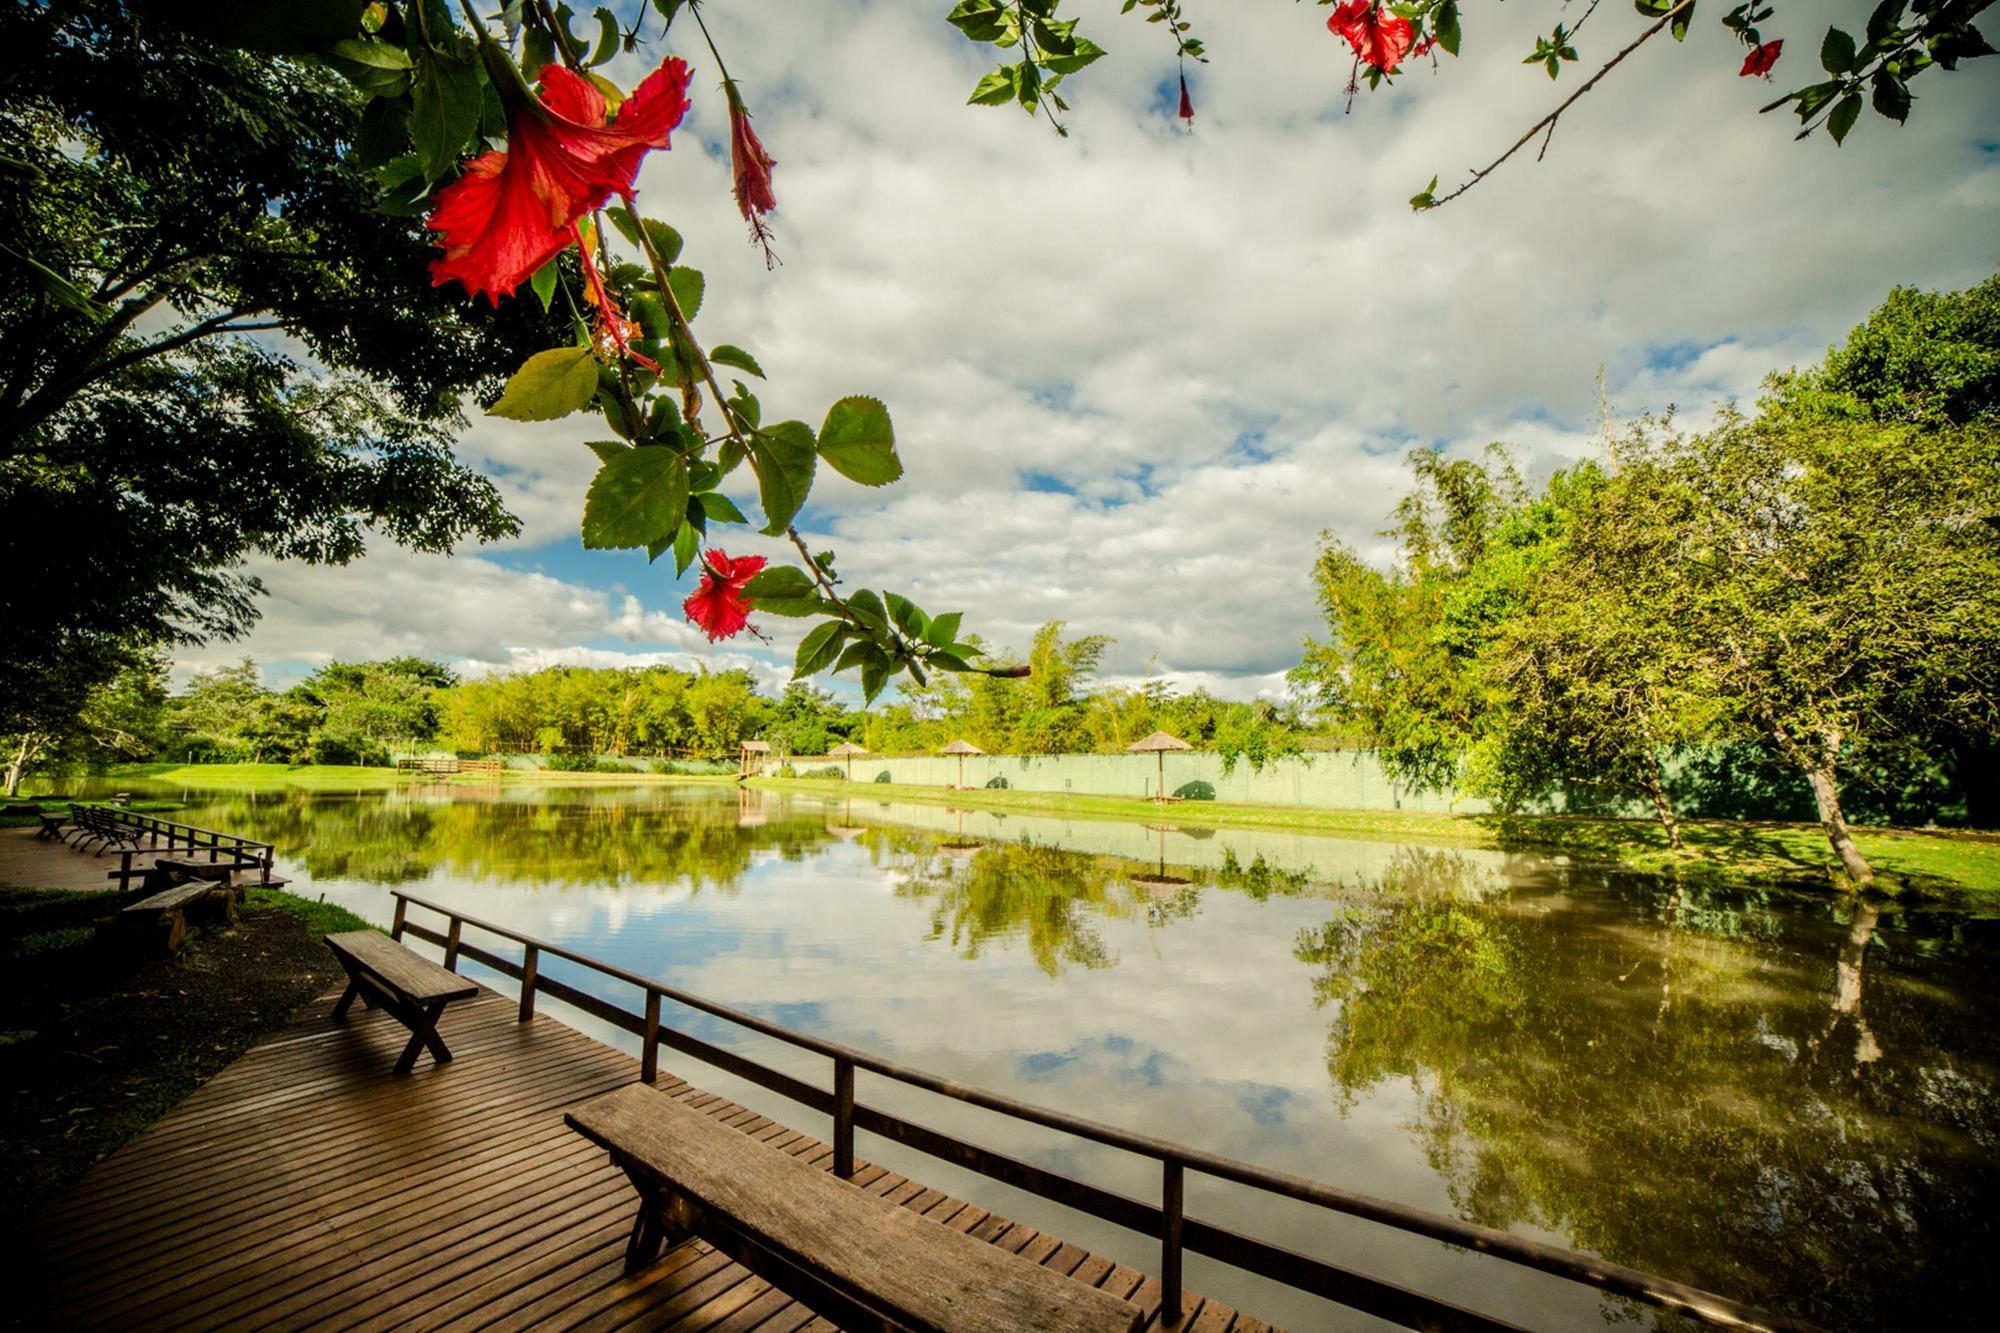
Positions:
(751, 756)
(961, 747)
(1159, 743)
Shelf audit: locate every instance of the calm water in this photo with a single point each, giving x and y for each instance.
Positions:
(1770, 1094)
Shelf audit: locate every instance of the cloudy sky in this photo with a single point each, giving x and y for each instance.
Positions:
(1136, 373)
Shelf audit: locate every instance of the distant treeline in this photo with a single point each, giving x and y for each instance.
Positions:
(370, 712)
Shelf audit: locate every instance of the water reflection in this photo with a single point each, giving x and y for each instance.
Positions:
(1786, 1098)
(1690, 1081)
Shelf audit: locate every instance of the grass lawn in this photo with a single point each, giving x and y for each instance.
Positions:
(1929, 861)
(96, 1044)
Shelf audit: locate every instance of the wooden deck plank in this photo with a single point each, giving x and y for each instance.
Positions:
(321, 1191)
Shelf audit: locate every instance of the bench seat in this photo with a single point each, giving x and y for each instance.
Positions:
(857, 1259)
(411, 989)
(165, 914)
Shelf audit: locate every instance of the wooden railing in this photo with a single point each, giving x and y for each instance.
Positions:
(242, 851)
(1166, 1221)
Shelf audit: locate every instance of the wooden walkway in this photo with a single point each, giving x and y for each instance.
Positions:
(308, 1187)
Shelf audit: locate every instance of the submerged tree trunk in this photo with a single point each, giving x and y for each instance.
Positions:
(1826, 797)
(1657, 788)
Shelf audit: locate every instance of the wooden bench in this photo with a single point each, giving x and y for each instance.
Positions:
(412, 990)
(855, 1258)
(167, 873)
(52, 826)
(164, 916)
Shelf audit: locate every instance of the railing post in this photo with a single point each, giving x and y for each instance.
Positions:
(649, 1058)
(396, 926)
(1170, 1244)
(530, 964)
(843, 1118)
(451, 945)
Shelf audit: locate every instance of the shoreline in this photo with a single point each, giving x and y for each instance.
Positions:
(1908, 862)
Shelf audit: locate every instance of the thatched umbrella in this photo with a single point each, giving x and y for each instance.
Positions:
(958, 844)
(1160, 884)
(961, 748)
(1159, 743)
(846, 750)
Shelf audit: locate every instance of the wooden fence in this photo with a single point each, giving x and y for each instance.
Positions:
(1165, 1221)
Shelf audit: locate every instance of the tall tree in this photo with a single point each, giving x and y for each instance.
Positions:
(212, 342)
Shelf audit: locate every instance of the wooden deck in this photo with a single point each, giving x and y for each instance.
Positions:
(307, 1186)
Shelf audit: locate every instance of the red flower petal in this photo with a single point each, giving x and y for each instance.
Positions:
(512, 211)
(1378, 41)
(1187, 103)
(1761, 58)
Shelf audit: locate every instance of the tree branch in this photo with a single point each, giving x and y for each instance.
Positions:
(1548, 122)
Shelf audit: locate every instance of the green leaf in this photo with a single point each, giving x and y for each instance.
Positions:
(544, 281)
(606, 450)
(783, 458)
(1892, 96)
(1445, 25)
(1884, 20)
(797, 606)
(727, 354)
(687, 545)
(549, 385)
(721, 508)
(869, 607)
(607, 37)
(637, 498)
(1425, 198)
(946, 660)
(860, 653)
(819, 649)
(686, 285)
(859, 443)
(385, 131)
(1836, 52)
(1844, 115)
(943, 629)
(1682, 20)
(776, 582)
(874, 675)
(665, 239)
(375, 55)
(906, 615)
(996, 89)
(445, 98)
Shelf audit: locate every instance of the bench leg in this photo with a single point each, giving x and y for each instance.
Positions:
(346, 999)
(655, 1228)
(423, 1033)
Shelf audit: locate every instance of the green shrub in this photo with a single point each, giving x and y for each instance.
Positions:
(1195, 791)
(883, 776)
(998, 782)
(572, 763)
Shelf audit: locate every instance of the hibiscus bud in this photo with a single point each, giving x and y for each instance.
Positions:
(1187, 103)
(1012, 672)
(751, 166)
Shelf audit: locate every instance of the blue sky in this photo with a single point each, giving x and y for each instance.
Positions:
(1137, 372)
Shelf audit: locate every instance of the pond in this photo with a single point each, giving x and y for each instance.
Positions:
(1772, 1094)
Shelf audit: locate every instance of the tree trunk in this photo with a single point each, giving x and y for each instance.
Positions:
(1657, 787)
(1976, 773)
(17, 767)
(1827, 798)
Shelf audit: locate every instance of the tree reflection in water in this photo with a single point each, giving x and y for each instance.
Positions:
(561, 839)
(1686, 1079)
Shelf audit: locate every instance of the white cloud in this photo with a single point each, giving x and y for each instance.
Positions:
(1205, 349)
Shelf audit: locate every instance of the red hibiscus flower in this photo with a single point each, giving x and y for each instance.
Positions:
(513, 210)
(717, 604)
(1378, 41)
(752, 168)
(1761, 58)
